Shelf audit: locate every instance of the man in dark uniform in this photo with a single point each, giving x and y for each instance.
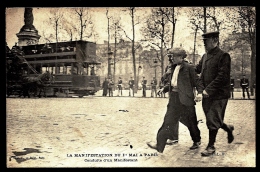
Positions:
(181, 105)
(153, 87)
(232, 84)
(131, 86)
(119, 86)
(244, 84)
(214, 70)
(144, 86)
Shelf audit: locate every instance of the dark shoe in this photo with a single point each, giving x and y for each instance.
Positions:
(195, 145)
(210, 150)
(230, 133)
(153, 146)
(171, 142)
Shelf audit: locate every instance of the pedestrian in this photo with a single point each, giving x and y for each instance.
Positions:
(244, 84)
(144, 82)
(182, 100)
(232, 85)
(153, 87)
(105, 87)
(131, 84)
(110, 87)
(214, 69)
(165, 79)
(119, 86)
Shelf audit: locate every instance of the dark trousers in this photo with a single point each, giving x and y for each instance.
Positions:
(232, 92)
(245, 90)
(110, 92)
(120, 90)
(176, 112)
(144, 91)
(215, 112)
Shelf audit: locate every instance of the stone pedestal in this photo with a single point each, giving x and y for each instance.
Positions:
(28, 37)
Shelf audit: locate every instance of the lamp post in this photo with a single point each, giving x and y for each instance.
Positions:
(109, 63)
(155, 61)
(138, 71)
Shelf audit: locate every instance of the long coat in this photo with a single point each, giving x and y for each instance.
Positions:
(186, 82)
(215, 73)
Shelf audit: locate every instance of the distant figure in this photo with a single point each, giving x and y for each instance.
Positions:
(153, 85)
(131, 84)
(119, 86)
(244, 83)
(105, 87)
(232, 84)
(144, 86)
(110, 88)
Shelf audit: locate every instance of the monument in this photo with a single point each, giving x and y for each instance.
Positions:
(28, 34)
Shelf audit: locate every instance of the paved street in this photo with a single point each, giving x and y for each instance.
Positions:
(98, 131)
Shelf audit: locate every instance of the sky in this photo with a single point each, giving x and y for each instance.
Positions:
(15, 21)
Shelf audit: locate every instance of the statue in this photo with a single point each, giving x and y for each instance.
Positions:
(28, 20)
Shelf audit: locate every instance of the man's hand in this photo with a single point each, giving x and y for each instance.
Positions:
(160, 91)
(198, 98)
(205, 94)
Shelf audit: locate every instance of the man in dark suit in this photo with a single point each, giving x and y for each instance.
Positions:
(244, 84)
(181, 103)
(214, 69)
(232, 84)
(131, 84)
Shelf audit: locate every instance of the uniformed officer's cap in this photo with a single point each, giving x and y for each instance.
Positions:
(210, 35)
(177, 52)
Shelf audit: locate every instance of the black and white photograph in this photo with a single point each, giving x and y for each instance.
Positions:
(96, 87)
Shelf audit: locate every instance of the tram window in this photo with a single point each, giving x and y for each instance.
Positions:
(61, 69)
(68, 70)
(85, 70)
(44, 69)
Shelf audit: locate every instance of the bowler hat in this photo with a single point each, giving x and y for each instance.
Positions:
(208, 35)
(177, 52)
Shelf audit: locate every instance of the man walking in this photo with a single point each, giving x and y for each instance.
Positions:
(214, 70)
(181, 103)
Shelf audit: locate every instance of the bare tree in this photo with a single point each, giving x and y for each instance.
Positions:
(158, 32)
(132, 11)
(116, 28)
(196, 24)
(85, 22)
(55, 20)
(247, 20)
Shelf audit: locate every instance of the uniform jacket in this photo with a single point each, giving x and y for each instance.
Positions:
(232, 83)
(244, 83)
(187, 80)
(215, 73)
(131, 83)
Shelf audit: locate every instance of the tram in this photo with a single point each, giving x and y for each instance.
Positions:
(72, 65)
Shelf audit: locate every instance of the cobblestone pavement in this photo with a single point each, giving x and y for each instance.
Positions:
(112, 132)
